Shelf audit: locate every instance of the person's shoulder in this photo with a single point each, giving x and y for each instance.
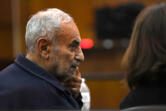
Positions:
(136, 95)
(144, 96)
(14, 76)
(9, 69)
(14, 81)
(128, 101)
(11, 73)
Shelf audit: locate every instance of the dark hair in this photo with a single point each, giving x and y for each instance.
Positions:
(146, 53)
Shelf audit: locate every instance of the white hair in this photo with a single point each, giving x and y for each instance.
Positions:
(42, 24)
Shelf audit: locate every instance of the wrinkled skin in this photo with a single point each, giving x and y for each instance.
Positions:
(65, 57)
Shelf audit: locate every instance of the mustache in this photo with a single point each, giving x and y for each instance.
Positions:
(75, 64)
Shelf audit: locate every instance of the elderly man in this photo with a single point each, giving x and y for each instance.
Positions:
(48, 76)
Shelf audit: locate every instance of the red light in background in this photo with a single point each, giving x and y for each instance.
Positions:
(86, 43)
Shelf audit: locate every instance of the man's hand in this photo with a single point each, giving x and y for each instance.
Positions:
(74, 83)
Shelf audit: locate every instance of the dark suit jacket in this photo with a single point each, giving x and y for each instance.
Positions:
(143, 96)
(25, 85)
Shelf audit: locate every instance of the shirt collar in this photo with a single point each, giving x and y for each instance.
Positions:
(38, 71)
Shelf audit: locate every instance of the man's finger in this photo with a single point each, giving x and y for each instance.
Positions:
(77, 72)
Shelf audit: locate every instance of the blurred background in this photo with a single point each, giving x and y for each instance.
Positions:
(105, 27)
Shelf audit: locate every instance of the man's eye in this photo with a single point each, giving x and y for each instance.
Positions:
(73, 46)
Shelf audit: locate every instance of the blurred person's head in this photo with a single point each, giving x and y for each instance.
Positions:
(53, 42)
(146, 53)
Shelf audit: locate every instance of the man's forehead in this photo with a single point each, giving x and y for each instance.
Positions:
(68, 39)
(69, 32)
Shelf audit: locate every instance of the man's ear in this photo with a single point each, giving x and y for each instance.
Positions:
(43, 45)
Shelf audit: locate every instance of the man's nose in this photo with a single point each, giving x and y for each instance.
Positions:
(80, 55)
